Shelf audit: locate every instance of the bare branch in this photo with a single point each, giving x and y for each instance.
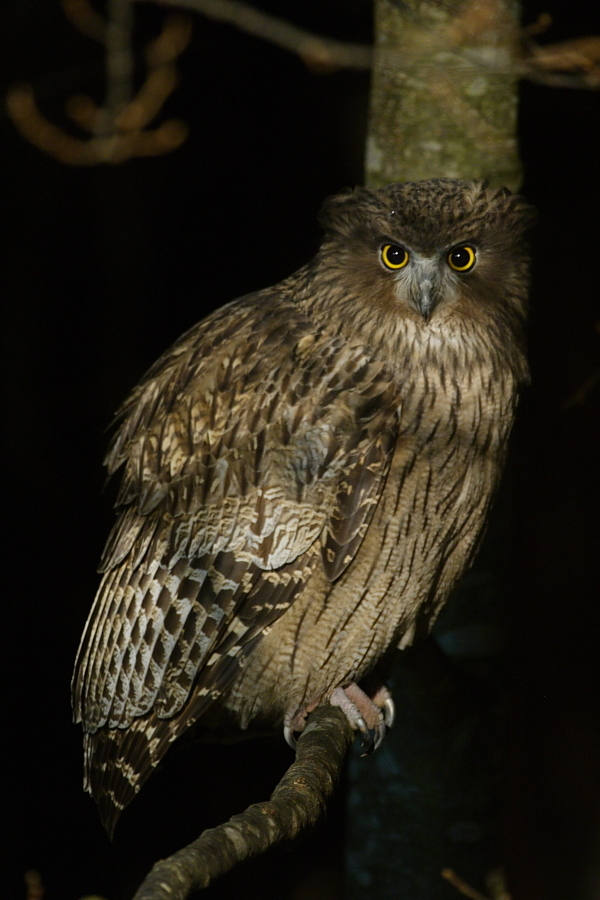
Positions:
(574, 63)
(85, 18)
(118, 127)
(568, 64)
(496, 885)
(316, 51)
(495, 880)
(462, 886)
(119, 64)
(297, 801)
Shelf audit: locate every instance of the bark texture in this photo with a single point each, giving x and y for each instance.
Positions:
(297, 801)
(443, 95)
(443, 104)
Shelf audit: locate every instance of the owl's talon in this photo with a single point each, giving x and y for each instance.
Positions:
(380, 732)
(372, 716)
(389, 712)
(362, 726)
(288, 734)
(368, 743)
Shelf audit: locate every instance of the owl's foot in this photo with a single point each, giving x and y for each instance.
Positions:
(371, 715)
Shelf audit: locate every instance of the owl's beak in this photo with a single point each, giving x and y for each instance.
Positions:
(426, 298)
(425, 287)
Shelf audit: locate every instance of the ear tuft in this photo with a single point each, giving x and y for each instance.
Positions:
(343, 213)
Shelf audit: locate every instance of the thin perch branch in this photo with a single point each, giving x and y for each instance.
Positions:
(298, 800)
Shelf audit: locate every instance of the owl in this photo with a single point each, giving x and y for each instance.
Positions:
(305, 475)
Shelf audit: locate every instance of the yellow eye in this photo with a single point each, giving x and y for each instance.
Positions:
(462, 259)
(393, 256)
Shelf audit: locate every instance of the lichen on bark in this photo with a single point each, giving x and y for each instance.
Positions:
(443, 95)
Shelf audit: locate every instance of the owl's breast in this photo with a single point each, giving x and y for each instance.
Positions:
(444, 471)
(431, 513)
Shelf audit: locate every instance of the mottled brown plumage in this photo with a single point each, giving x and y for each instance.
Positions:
(305, 475)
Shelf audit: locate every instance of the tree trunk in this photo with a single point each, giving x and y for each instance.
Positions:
(444, 92)
(443, 104)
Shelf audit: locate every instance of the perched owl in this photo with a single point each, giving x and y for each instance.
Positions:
(305, 475)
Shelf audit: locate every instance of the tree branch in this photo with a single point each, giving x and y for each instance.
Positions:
(118, 127)
(297, 801)
(314, 49)
(567, 64)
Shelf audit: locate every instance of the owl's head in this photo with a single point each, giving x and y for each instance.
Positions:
(429, 250)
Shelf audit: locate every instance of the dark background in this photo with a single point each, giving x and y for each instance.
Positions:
(102, 268)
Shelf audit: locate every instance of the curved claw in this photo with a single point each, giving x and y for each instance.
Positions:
(380, 732)
(389, 712)
(372, 740)
(362, 725)
(289, 737)
(358, 707)
(367, 736)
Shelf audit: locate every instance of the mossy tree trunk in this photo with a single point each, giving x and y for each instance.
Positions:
(444, 91)
(443, 104)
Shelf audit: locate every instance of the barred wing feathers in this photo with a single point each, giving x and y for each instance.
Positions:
(254, 450)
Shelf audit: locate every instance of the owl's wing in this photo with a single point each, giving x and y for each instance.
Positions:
(252, 450)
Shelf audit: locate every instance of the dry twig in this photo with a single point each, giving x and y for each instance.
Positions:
(495, 881)
(567, 64)
(574, 63)
(118, 128)
(317, 51)
(580, 56)
(465, 889)
(298, 800)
